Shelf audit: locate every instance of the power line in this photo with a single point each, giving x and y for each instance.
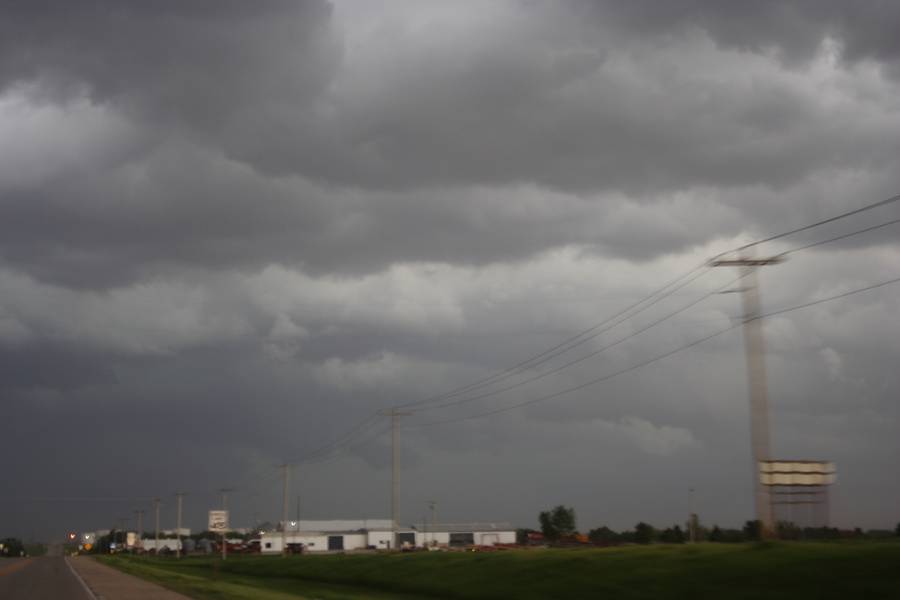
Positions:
(564, 346)
(819, 223)
(652, 360)
(326, 448)
(572, 341)
(830, 298)
(591, 332)
(506, 373)
(591, 354)
(344, 449)
(642, 330)
(841, 237)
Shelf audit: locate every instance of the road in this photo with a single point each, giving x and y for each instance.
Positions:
(47, 577)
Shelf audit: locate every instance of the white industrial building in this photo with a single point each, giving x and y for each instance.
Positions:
(377, 534)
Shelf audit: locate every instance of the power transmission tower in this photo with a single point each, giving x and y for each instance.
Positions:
(179, 496)
(754, 352)
(395, 415)
(284, 510)
(156, 510)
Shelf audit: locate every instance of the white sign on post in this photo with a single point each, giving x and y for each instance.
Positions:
(218, 520)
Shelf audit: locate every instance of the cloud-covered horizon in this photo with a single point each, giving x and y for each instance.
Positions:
(230, 231)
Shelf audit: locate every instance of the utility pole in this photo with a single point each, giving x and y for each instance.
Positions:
(395, 415)
(227, 520)
(754, 352)
(298, 512)
(123, 525)
(140, 528)
(156, 510)
(432, 505)
(179, 496)
(284, 509)
(692, 518)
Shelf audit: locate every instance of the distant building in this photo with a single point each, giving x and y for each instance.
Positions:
(377, 534)
(165, 545)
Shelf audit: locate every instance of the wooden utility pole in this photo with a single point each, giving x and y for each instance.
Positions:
(179, 496)
(432, 504)
(156, 535)
(284, 510)
(227, 521)
(140, 528)
(754, 352)
(395, 415)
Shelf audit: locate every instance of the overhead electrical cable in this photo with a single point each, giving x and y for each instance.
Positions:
(583, 358)
(840, 237)
(358, 428)
(582, 337)
(571, 342)
(642, 330)
(878, 204)
(656, 358)
(346, 449)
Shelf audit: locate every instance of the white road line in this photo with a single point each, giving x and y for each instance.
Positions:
(89, 591)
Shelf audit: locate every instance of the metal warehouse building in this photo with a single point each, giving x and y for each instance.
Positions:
(377, 534)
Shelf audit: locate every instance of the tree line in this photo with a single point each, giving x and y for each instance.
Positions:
(558, 526)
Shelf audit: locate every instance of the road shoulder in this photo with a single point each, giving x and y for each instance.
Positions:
(107, 583)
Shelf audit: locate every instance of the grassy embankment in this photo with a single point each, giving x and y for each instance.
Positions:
(777, 570)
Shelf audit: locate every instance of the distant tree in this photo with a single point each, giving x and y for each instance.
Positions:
(522, 535)
(787, 530)
(603, 536)
(644, 533)
(716, 534)
(557, 523)
(753, 530)
(897, 530)
(672, 535)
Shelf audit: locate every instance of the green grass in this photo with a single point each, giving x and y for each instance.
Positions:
(202, 579)
(771, 570)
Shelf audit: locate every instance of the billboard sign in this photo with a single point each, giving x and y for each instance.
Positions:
(796, 472)
(218, 520)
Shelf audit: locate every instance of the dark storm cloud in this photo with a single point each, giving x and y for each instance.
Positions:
(231, 230)
(796, 28)
(257, 135)
(187, 65)
(52, 366)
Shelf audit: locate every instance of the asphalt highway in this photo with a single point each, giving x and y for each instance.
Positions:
(41, 578)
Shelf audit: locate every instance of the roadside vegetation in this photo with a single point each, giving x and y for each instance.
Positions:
(795, 570)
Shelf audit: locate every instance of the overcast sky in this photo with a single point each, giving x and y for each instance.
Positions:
(231, 231)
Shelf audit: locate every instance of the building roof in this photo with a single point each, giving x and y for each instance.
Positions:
(463, 527)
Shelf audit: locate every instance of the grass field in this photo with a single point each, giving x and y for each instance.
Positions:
(772, 570)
